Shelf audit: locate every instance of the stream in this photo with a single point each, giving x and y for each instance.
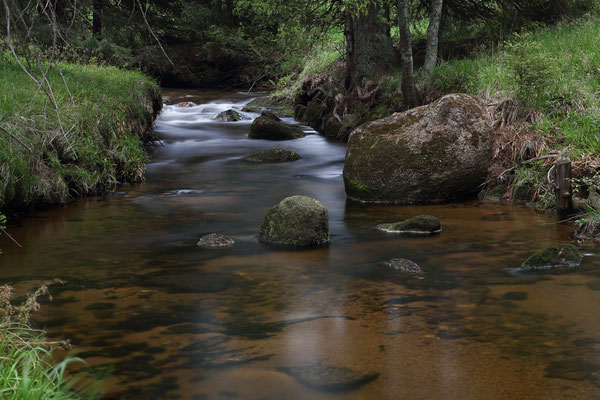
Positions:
(156, 317)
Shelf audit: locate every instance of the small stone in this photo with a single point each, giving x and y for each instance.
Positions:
(273, 155)
(186, 104)
(421, 224)
(403, 265)
(555, 257)
(229, 116)
(330, 378)
(215, 241)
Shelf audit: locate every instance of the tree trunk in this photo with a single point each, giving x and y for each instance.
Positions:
(349, 35)
(97, 19)
(433, 36)
(369, 51)
(408, 81)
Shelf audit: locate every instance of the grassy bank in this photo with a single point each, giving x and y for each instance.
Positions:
(93, 141)
(27, 368)
(541, 87)
(543, 90)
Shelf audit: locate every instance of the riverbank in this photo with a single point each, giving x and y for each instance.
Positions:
(540, 89)
(81, 138)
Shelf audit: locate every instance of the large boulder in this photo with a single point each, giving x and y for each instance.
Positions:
(296, 221)
(430, 154)
(269, 127)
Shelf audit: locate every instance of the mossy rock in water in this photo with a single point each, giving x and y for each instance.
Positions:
(555, 257)
(269, 127)
(421, 224)
(429, 154)
(215, 241)
(403, 266)
(296, 221)
(273, 156)
(229, 116)
(330, 378)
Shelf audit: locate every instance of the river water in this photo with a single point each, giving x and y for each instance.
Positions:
(158, 318)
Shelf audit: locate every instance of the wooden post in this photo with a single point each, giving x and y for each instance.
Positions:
(563, 188)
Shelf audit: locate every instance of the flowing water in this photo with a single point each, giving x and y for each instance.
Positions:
(159, 318)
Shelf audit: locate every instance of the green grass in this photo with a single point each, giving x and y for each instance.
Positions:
(28, 370)
(105, 114)
(320, 62)
(566, 57)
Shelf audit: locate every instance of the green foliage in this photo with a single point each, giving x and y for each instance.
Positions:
(320, 61)
(104, 112)
(567, 56)
(531, 69)
(28, 370)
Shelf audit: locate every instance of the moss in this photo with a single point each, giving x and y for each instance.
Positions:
(360, 187)
(564, 255)
(279, 106)
(495, 193)
(273, 155)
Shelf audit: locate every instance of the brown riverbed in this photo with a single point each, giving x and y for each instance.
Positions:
(158, 318)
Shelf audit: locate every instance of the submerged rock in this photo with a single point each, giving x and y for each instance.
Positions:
(273, 155)
(215, 241)
(296, 221)
(252, 109)
(403, 266)
(268, 126)
(327, 377)
(186, 104)
(229, 116)
(421, 224)
(555, 257)
(430, 154)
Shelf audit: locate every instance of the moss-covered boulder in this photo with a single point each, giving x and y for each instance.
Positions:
(273, 156)
(296, 221)
(430, 154)
(421, 224)
(229, 116)
(269, 127)
(403, 266)
(556, 257)
(215, 241)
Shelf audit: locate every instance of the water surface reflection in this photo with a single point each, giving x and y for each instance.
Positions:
(169, 320)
